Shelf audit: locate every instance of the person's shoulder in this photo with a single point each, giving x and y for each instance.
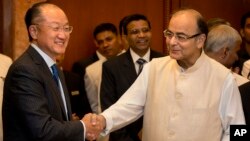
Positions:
(161, 59)
(5, 58)
(87, 61)
(240, 79)
(6, 61)
(116, 59)
(155, 54)
(245, 89)
(94, 67)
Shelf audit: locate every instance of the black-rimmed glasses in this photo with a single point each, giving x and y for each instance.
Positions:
(179, 36)
(57, 28)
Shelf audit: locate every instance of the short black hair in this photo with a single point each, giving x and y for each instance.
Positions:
(202, 25)
(32, 13)
(104, 27)
(121, 25)
(133, 17)
(244, 19)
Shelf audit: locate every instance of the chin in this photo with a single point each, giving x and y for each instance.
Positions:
(174, 56)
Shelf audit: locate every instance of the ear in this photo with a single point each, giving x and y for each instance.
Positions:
(119, 38)
(96, 44)
(225, 52)
(242, 33)
(33, 31)
(201, 41)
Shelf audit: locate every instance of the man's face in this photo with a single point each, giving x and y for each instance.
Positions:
(182, 38)
(108, 44)
(139, 35)
(232, 56)
(245, 32)
(53, 33)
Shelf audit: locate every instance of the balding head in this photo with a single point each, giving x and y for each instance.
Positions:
(222, 44)
(193, 16)
(185, 36)
(35, 14)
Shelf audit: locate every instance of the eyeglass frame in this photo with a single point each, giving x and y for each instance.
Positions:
(178, 37)
(60, 28)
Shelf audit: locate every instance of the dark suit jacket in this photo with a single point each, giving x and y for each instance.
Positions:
(32, 106)
(245, 97)
(78, 98)
(80, 66)
(118, 75)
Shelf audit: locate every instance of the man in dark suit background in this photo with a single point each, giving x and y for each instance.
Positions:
(75, 85)
(101, 53)
(36, 103)
(120, 72)
(80, 66)
(245, 98)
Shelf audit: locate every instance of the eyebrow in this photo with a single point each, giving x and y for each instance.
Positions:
(178, 33)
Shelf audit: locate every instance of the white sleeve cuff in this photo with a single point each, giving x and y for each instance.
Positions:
(84, 130)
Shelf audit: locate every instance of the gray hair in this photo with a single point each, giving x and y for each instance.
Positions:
(220, 36)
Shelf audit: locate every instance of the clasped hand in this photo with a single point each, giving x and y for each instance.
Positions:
(94, 125)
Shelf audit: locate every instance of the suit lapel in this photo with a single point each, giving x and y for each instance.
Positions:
(66, 94)
(55, 91)
(129, 67)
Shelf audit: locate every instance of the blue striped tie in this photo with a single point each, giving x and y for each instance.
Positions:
(55, 74)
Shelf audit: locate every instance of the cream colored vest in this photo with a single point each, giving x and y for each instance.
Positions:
(184, 106)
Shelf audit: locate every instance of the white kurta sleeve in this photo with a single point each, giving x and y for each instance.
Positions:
(130, 106)
(91, 91)
(231, 111)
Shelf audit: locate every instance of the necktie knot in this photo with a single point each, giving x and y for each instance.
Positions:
(55, 73)
(141, 62)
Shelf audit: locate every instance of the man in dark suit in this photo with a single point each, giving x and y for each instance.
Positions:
(80, 66)
(75, 85)
(245, 98)
(120, 72)
(36, 103)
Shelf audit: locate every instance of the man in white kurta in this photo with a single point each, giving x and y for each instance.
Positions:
(106, 39)
(5, 63)
(186, 96)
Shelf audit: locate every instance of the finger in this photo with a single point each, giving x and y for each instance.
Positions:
(93, 119)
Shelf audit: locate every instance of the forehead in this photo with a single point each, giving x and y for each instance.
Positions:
(137, 24)
(105, 34)
(51, 13)
(185, 22)
(248, 21)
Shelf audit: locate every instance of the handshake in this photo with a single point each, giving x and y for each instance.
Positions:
(94, 125)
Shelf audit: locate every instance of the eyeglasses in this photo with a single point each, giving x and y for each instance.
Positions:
(57, 28)
(179, 36)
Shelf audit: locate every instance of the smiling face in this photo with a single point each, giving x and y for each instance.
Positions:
(139, 36)
(184, 24)
(50, 31)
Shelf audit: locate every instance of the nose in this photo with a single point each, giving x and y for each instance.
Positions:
(141, 34)
(62, 35)
(171, 40)
(105, 44)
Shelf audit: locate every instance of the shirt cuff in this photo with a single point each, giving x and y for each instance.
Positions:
(109, 124)
(84, 130)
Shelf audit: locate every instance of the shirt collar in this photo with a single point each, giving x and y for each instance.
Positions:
(49, 61)
(135, 56)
